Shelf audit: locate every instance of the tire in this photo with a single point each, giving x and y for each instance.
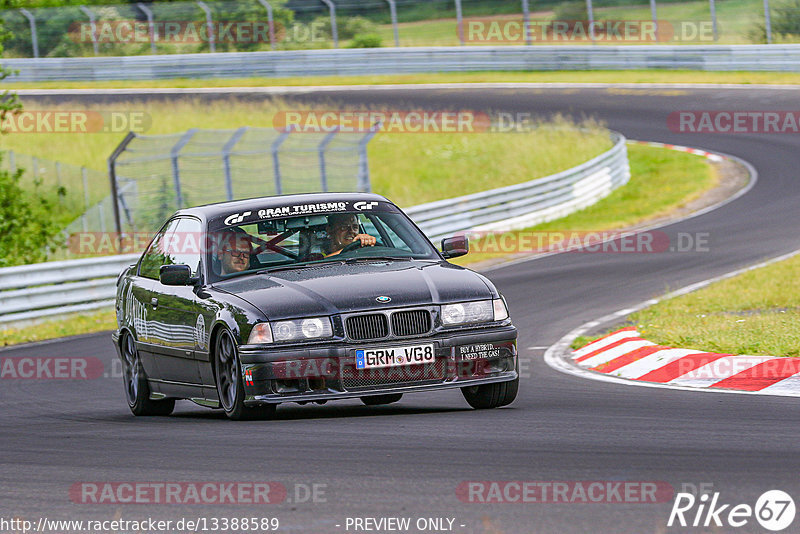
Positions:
(488, 396)
(137, 390)
(228, 377)
(377, 400)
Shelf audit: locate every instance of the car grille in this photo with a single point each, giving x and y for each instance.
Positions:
(353, 378)
(366, 327)
(375, 325)
(411, 323)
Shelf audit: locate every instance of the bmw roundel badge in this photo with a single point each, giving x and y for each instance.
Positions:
(383, 299)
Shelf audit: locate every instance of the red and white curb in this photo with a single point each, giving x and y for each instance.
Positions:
(711, 156)
(625, 354)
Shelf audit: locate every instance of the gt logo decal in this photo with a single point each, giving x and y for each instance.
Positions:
(236, 218)
(361, 206)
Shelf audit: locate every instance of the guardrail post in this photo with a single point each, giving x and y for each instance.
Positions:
(767, 22)
(270, 22)
(590, 13)
(334, 28)
(276, 164)
(151, 28)
(323, 171)
(226, 159)
(526, 21)
(393, 12)
(174, 153)
(364, 184)
(34, 37)
(460, 22)
(212, 45)
(93, 25)
(112, 176)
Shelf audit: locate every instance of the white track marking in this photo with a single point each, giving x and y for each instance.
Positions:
(614, 352)
(600, 343)
(652, 362)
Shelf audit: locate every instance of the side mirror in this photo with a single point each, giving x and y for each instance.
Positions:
(453, 247)
(175, 275)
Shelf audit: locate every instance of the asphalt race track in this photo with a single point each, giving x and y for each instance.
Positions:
(407, 460)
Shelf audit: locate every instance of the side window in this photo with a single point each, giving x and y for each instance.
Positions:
(186, 242)
(156, 255)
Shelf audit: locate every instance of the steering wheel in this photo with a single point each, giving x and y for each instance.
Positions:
(352, 246)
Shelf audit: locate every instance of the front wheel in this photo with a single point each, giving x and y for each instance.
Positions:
(489, 396)
(377, 400)
(137, 390)
(228, 375)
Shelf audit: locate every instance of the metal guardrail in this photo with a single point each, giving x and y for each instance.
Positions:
(58, 287)
(408, 60)
(47, 289)
(527, 204)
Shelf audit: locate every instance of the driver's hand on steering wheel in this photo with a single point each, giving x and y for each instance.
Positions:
(366, 240)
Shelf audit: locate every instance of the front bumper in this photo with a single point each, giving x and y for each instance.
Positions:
(323, 372)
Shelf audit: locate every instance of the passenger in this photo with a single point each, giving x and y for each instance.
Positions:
(343, 229)
(233, 253)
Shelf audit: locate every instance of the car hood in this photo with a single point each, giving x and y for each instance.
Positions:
(327, 289)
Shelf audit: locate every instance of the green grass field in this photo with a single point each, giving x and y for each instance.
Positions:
(755, 313)
(661, 181)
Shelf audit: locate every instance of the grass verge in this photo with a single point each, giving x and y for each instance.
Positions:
(73, 325)
(595, 76)
(661, 181)
(755, 313)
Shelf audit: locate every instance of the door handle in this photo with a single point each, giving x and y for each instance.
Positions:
(154, 302)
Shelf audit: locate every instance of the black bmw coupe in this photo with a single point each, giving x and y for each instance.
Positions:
(307, 298)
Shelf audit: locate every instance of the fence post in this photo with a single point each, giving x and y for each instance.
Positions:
(460, 22)
(526, 21)
(212, 45)
(276, 164)
(323, 171)
(12, 161)
(270, 22)
(58, 180)
(654, 15)
(93, 24)
(334, 28)
(364, 184)
(35, 166)
(112, 176)
(34, 37)
(174, 153)
(713, 7)
(151, 28)
(226, 159)
(767, 22)
(85, 176)
(393, 12)
(590, 13)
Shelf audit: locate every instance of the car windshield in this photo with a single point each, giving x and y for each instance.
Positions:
(296, 241)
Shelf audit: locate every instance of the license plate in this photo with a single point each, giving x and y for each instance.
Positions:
(393, 356)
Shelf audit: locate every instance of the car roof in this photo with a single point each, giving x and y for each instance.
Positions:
(212, 211)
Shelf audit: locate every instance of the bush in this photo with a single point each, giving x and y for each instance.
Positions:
(785, 23)
(366, 40)
(347, 27)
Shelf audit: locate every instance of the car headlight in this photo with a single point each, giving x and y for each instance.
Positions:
(479, 311)
(300, 329)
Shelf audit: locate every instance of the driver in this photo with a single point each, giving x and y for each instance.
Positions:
(343, 229)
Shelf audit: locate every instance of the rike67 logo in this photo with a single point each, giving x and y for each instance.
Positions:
(774, 510)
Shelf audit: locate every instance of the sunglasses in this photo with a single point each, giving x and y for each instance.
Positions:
(354, 227)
